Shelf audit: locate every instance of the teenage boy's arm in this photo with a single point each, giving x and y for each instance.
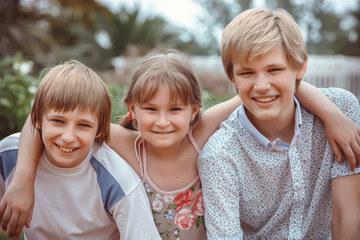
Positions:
(17, 204)
(345, 193)
(341, 132)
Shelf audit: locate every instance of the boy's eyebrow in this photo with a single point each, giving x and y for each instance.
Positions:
(53, 115)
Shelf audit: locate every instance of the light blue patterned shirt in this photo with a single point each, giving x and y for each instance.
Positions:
(255, 189)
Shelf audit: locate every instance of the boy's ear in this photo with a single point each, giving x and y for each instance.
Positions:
(300, 74)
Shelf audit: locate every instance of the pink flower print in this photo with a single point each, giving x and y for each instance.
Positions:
(185, 219)
(198, 205)
(183, 199)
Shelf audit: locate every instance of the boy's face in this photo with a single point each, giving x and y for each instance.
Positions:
(266, 87)
(68, 136)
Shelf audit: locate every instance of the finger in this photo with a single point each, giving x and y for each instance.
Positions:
(5, 219)
(348, 151)
(356, 150)
(28, 220)
(13, 222)
(2, 208)
(336, 149)
(20, 225)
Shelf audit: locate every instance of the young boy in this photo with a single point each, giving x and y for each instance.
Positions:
(83, 189)
(269, 171)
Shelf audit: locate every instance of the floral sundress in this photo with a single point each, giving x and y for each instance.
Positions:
(178, 215)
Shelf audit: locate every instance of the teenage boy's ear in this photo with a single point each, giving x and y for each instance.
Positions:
(301, 72)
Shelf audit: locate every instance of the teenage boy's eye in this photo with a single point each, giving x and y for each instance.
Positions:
(274, 69)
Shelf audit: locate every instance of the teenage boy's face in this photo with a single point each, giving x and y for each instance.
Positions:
(68, 136)
(266, 87)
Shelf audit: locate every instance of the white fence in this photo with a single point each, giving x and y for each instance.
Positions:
(334, 71)
(322, 71)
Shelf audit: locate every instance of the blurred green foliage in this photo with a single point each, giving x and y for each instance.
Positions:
(17, 89)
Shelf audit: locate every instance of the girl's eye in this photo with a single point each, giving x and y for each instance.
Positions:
(149, 109)
(84, 125)
(175, 109)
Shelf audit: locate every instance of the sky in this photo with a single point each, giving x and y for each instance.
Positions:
(185, 12)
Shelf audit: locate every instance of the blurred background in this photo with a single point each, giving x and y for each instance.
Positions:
(109, 36)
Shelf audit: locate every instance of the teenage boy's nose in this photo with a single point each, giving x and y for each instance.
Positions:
(69, 134)
(262, 84)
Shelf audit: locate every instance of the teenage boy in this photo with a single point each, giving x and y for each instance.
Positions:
(83, 189)
(269, 171)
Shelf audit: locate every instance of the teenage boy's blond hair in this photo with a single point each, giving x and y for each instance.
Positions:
(257, 31)
(71, 86)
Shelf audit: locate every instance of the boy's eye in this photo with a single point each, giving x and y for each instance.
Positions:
(245, 73)
(149, 109)
(57, 120)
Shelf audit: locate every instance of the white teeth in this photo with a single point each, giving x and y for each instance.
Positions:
(266, 99)
(66, 149)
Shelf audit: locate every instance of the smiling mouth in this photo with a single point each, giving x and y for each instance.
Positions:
(265, 99)
(163, 133)
(64, 149)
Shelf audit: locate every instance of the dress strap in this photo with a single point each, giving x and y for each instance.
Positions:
(139, 146)
(192, 140)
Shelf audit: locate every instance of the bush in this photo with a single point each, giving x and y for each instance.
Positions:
(17, 90)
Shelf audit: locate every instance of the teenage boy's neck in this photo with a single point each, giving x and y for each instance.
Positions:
(282, 128)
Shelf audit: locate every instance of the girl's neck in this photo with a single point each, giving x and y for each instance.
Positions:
(170, 152)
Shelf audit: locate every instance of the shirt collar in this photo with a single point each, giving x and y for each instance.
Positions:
(278, 144)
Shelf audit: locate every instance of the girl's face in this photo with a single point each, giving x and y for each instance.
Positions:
(161, 123)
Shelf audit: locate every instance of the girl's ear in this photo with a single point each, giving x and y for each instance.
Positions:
(300, 74)
(131, 108)
(195, 110)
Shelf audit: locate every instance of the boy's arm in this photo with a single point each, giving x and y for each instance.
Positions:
(346, 207)
(341, 132)
(133, 216)
(17, 204)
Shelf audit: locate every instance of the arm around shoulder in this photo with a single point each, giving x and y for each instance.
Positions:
(345, 193)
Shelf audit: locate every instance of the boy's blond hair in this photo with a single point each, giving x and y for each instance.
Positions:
(71, 86)
(257, 31)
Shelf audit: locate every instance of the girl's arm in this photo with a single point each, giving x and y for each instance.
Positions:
(16, 207)
(211, 119)
(341, 132)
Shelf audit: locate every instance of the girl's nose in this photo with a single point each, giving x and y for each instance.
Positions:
(162, 120)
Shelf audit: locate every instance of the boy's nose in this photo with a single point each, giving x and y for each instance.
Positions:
(69, 134)
(262, 84)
